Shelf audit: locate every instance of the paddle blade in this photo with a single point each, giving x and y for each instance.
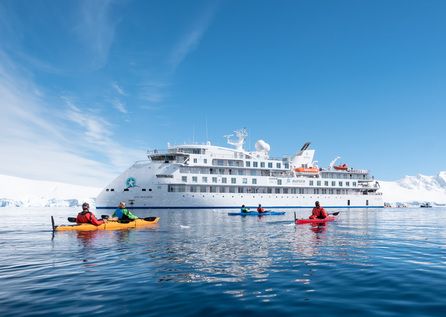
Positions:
(71, 219)
(105, 216)
(149, 218)
(52, 223)
(336, 213)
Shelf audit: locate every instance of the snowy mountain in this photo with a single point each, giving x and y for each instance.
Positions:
(415, 190)
(18, 192)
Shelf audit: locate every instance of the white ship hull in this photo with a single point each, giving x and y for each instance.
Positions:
(217, 201)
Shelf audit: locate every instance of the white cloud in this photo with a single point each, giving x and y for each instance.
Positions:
(119, 105)
(192, 38)
(42, 140)
(97, 28)
(118, 89)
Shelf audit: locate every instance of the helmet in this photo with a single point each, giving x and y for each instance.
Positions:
(85, 206)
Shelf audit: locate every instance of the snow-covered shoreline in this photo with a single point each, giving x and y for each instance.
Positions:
(21, 192)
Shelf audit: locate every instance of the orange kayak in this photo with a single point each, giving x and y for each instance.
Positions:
(110, 225)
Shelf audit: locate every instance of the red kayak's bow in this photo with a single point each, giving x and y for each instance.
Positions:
(303, 221)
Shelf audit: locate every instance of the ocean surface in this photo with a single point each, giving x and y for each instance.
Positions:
(383, 262)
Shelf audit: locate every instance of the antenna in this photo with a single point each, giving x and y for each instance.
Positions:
(207, 138)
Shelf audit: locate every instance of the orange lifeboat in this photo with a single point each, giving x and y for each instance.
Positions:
(342, 167)
(312, 170)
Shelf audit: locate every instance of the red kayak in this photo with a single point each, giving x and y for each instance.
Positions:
(302, 221)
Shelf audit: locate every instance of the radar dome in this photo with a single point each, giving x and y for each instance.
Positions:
(262, 146)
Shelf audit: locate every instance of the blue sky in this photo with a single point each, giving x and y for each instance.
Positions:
(86, 87)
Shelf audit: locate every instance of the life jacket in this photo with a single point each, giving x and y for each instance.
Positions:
(88, 217)
(319, 213)
(260, 209)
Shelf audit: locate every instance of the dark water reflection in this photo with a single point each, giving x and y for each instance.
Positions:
(369, 262)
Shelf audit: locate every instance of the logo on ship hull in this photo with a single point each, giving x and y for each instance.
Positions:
(130, 182)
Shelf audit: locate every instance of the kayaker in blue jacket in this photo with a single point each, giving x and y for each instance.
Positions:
(123, 213)
(244, 209)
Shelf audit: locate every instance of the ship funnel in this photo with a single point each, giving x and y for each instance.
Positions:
(304, 158)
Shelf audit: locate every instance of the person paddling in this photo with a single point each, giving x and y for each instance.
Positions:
(123, 213)
(86, 216)
(244, 209)
(318, 212)
(260, 209)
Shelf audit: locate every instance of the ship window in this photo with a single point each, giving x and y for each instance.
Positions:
(245, 181)
(347, 183)
(338, 191)
(262, 164)
(184, 178)
(205, 179)
(221, 171)
(203, 189)
(279, 182)
(248, 164)
(150, 189)
(287, 165)
(366, 202)
(277, 190)
(340, 184)
(241, 172)
(205, 161)
(269, 190)
(278, 165)
(224, 180)
(254, 181)
(195, 160)
(232, 189)
(318, 183)
(193, 189)
(270, 165)
(233, 180)
(222, 189)
(213, 189)
(333, 183)
(326, 183)
(194, 179)
(143, 189)
(311, 183)
(214, 179)
(112, 190)
(354, 184)
(107, 190)
(255, 164)
(324, 191)
(126, 189)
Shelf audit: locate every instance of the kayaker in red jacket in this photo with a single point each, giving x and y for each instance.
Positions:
(260, 209)
(318, 212)
(86, 216)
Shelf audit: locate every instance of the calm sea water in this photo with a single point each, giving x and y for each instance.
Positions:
(387, 262)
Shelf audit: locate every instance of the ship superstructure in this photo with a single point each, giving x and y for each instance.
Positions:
(208, 176)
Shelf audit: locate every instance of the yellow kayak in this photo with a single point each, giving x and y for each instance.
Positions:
(110, 225)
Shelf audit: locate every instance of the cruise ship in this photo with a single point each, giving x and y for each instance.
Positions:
(209, 176)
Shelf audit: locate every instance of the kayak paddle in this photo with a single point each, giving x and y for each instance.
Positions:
(73, 219)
